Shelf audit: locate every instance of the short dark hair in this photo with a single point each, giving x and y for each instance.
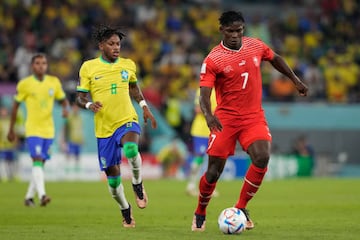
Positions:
(104, 32)
(229, 17)
(37, 55)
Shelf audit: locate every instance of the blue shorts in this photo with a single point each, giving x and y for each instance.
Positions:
(109, 149)
(39, 147)
(8, 155)
(74, 149)
(200, 145)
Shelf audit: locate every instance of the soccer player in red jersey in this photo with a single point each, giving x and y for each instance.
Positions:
(233, 69)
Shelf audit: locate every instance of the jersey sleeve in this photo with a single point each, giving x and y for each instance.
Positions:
(59, 91)
(132, 71)
(20, 92)
(84, 79)
(268, 53)
(207, 73)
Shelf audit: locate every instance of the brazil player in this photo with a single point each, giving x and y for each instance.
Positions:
(233, 69)
(74, 137)
(39, 92)
(7, 149)
(111, 82)
(200, 137)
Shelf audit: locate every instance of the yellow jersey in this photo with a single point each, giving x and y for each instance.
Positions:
(39, 97)
(75, 128)
(5, 144)
(199, 126)
(108, 83)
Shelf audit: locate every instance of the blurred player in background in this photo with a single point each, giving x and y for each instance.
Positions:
(233, 69)
(8, 150)
(200, 137)
(39, 92)
(111, 81)
(73, 138)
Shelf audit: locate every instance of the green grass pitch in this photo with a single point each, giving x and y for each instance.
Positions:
(305, 208)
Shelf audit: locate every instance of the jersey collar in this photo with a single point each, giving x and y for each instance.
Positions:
(229, 49)
(37, 79)
(107, 62)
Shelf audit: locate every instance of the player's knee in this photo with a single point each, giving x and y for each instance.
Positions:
(131, 149)
(213, 174)
(114, 182)
(261, 160)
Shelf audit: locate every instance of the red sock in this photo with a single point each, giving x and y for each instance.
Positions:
(205, 189)
(252, 182)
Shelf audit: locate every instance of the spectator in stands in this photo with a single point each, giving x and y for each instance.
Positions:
(282, 89)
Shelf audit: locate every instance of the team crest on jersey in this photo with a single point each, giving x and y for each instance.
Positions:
(256, 61)
(124, 75)
(228, 69)
(51, 92)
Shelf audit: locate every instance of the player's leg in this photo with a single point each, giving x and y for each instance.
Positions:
(199, 149)
(195, 167)
(220, 146)
(257, 142)
(38, 148)
(130, 143)
(77, 150)
(30, 193)
(109, 156)
(68, 155)
(259, 153)
(11, 160)
(206, 188)
(116, 190)
(45, 155)
(35, 172)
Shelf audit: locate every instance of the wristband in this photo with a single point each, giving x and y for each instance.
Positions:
(142, 103)
(87, 105)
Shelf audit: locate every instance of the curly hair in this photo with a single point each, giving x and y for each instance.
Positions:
(229, 17)
(104, 32)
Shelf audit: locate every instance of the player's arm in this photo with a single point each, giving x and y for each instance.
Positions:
(205, 105)
(279, 64)
(136, 94)
(11, 133)
(83, 101)
(65, 107)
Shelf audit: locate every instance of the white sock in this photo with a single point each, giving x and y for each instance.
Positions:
(119, 196)
(38, 175)
(135, 164)
(31, 189)
(193, 177)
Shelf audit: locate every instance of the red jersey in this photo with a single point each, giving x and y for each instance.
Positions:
(236, 76)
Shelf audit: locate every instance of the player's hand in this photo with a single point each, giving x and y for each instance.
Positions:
(213, 123)
(11, 135)
(95, 107)
(148, 115)
(302, 88)
(65, 112)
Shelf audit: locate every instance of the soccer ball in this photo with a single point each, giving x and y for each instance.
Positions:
(232, 221)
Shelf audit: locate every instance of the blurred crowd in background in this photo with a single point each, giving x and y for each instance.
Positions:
(169, 39)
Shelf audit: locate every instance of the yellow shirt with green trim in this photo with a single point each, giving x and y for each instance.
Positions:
(75, 128)
(39, 97)
(108, 83)
(199, 127)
